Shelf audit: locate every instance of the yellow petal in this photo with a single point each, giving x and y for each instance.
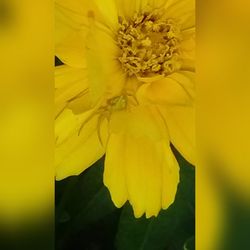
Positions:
(176, 89)
(170, 177)
(140, 121)
(109, 11)
(105, 73)
(72, 21)
(66, 122)
(74, 13)
(114, 171)
(71, 89)
(69, 39)
(188, 50)
(78, 12)
(181, 10)
(139, 164)
(127, 8)
(78, 143)
(141, 170)
(181, 126)
(144, 177)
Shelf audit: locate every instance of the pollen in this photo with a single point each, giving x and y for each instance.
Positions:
(149, 44)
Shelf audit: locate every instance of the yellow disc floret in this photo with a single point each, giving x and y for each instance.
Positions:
(149, 44)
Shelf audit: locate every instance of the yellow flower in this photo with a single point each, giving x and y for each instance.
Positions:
(126, 90)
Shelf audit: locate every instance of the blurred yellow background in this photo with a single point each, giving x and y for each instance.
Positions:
(26, 111)
(223, 122)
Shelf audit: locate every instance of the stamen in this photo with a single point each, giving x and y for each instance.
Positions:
(149, 44)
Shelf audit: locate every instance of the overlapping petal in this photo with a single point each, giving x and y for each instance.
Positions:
(139, 121)
(105, 74)
(108, 8)
(70, 39)
(183, 11)
(114, 172)
(80, 141)
(71, 89)
(174, 97)
(188, 49)
(175, 89)
(72, 21)
(180, 121)
(139, 165)
(127, 8)
(78, 12)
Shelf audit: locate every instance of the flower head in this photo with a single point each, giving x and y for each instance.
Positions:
(127, 91)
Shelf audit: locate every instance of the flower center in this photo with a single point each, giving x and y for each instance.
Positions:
(150, 44)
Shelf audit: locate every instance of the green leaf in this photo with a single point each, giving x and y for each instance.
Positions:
(83, 206)
(98, 207)
(85, 199)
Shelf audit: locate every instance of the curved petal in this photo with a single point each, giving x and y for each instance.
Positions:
(181, 126)
(188, 49)
(71, 89)
(176, 89)
(72, 21)
(114, 171)
(78, 12)
(181, 10)
(140, 121)
(141, 170)
(78, 143)
(139, 164)
(69, 39)
(104, 70)
(170, 176)
(108, 8)
(127, 8)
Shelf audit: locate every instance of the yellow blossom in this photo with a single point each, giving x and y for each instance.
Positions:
(126, 91)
